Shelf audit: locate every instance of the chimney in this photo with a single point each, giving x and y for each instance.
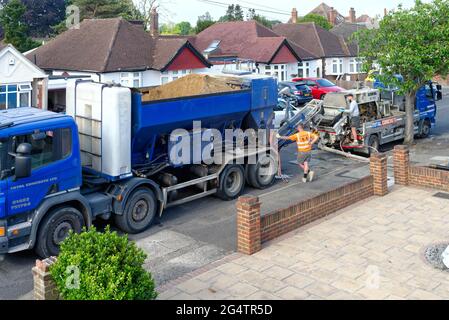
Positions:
(385, 11)
(294, 18)
(154, 23)
(352, 17)
(333, 16)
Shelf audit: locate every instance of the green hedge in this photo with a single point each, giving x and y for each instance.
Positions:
(102, 266)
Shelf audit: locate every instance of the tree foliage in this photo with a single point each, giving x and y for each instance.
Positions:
(14, 26)
(204, 22)
(412, 43)
(319, 20)
(101, 9)
(101, 266)
(233, 13)
(40, 15)
(252, 15)
(183, 28)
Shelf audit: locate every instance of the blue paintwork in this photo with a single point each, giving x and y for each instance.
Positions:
(26, 194)
(154, 120)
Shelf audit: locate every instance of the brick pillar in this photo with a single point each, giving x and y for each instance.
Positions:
(378, 168)
(401, 165)
(248, 225)
(44, 286)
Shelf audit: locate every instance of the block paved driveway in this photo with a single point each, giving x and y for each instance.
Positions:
(371, 250)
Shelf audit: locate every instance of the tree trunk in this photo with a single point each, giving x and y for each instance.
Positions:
(409, 120)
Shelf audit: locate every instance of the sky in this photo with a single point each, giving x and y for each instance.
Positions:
(189, 10)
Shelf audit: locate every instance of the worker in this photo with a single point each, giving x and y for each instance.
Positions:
(304, 142)
(354, 115)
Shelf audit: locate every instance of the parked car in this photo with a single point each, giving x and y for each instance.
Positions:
(320, 87)
(280, 112)
(301, 92)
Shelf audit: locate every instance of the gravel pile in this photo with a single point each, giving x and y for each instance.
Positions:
(190, 85)
(433, 255)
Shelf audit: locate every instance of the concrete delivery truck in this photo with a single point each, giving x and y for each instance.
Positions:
(114, 154)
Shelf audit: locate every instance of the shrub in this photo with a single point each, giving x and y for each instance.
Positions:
(110, 268)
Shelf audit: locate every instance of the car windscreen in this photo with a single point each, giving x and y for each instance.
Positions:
(325, 83)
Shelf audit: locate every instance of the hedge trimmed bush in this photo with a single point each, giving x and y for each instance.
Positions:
(108, 266)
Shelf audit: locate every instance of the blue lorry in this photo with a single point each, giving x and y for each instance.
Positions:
(111, 155)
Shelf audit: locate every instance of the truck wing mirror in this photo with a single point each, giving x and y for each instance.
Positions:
(439, 96)
(439, 87)
(23, 161)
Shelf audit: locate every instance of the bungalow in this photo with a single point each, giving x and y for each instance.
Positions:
(22, 84)
(117, 51)
(336, 59)
(250, 46)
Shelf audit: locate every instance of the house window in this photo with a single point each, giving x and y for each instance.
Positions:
(131, 79)
(168, 76)
(164, 80)
(355, 65)
(15, 95)
(277, 71)
(337, 66)
(304, 69)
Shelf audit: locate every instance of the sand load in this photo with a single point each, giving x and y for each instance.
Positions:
(191, 85)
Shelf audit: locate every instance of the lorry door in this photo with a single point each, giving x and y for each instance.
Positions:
(3, 170)
(54, 169)
(425, 102)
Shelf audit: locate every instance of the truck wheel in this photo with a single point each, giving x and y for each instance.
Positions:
(425, 129)
(55, 228)
(322, 97)
(373, 143)
(262, 174)
(232, 182)
(140, 211)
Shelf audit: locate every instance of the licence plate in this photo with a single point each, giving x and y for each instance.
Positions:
(307, 95)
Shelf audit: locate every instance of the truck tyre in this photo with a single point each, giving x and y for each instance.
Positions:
(262, 174)
(55, 228)
(425, 129)
(140, 211)
(322, 96)
(232, 182)
(373, 143)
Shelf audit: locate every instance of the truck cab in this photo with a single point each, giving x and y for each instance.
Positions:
(425, 103)
(39, 159)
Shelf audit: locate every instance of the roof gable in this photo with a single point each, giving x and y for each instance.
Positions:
(245, 40)
(108, 45)
(319, 41)
(22, 67)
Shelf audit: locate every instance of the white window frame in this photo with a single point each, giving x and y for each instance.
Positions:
(169, 76)
(22, 89)
(127, 79)
(304, 69)
(278, 71)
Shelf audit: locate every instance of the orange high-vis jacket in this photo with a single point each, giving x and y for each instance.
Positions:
(303, 140)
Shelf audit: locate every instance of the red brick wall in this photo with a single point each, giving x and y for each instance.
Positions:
(417, 176)
(283, 221)
(429, 178)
